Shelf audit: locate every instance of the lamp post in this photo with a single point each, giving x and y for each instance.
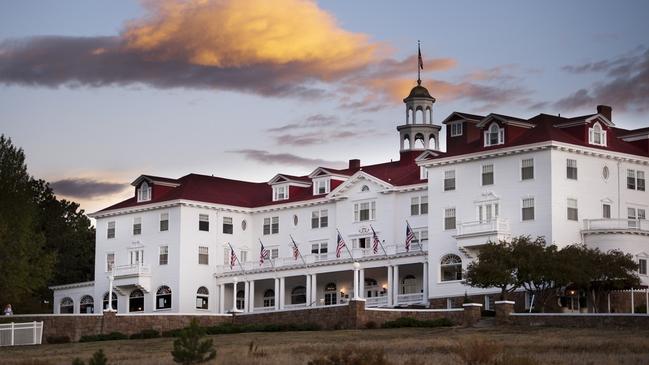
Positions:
(357, 266)
(111, 277)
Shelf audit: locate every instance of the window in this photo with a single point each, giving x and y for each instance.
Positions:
(527, 169)
(241, 300)
(136, 301)
(642, 266)
(163, 298)
(137, 256)
(449, 218)
(228, 227)
(202, 296)
(635, 180)
(573, 210)
(449, 180)
(110, 261)
(86, 304)
(487, 175)
(596, 135)
(226, 256)
(362, 242)
(456, 129)
(365, 188)
(606, 211)
(113, 301)
(203, 255)
(450, 268)
(365, 211)
(280, 192)
(164, 222)
(320, 219)
(421, 236)
(243, 255)
(110, 232)
(144, 192)
(419, 205)
(409, 285)
(137, 226)
(494, 135)
(571, 169)
(203, 222)
(269, 298)
(67, 306)
(423, 173)
(164, 255)
(321, 186)
(274, 252)
(488, 211)
(271, 225)
(298, 295)
(319, 249)
(635, 214)
(330, 294)
(527, 213)
(244, 225)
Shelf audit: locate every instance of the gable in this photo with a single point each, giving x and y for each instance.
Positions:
(356, 182)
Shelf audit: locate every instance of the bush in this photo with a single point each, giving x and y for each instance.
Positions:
(98, 358)
(57, 339)
(104, 337)
(412, 322)
(144, 334)
(190, 348)
(172, 333)
(641, 308)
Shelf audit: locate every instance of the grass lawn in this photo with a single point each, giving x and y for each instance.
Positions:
(401, 346)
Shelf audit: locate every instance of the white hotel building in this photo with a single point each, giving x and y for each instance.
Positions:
(571, 180)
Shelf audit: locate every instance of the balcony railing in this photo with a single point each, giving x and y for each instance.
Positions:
(413, 298)
(381, 301)
(329, 257)
(131, 270)
(638, 225)
(483, 227)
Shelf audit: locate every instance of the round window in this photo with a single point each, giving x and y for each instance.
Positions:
(605, 172)
(244, 224)
(295, 219)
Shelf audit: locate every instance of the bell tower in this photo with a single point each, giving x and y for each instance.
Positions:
(419, 133)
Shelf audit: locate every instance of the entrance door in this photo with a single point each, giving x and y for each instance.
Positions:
(331, 294)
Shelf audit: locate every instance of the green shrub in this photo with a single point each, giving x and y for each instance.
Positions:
(412, 322)
(104, 337)
(144, 334)
(57, 339)
(190, 348)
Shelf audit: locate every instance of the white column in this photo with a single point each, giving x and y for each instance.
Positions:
(632, 301)
(314, 289)
(395, 282)
(222, 298)
(110, 295)
(282, 292)
(308, 290)
(251, 297)
(361, 283)
(276, 293)
(425, 282)
(246, 295)
(355, 284)
(390, 285)
(234, 296)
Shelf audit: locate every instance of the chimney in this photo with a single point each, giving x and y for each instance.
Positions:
(355, 163)
(606, 111)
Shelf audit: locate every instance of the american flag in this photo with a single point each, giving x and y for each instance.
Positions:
(296, 250)
(375, 241)
(410, 235)
(340, 246)
(419, 59)
(233, 258)
(263, 254)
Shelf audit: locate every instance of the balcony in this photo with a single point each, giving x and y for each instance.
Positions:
(475, 234)
(328, 258)
(132, 276)
(602, 226)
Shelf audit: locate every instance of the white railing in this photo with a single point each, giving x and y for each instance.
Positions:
(131, 270)
(358, 253)
(410, 298)
(291, 306)
(486, 226)
(381, 301)
(14, 334)
(616, 224)
(263, 309)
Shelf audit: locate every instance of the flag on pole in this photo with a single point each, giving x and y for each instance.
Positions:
(233, 258)
(263, 254)
(341, 245)
(420, 60)
(375, 241)
(296, 250)
(410, 235)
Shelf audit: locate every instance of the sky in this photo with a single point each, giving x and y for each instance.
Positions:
(99, 92)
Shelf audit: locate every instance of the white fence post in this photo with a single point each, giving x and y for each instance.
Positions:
(12, 333)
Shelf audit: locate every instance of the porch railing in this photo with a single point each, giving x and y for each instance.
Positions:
(410, 298)
(616, 224)
(486, 226)
(14, 334)
(381, 301)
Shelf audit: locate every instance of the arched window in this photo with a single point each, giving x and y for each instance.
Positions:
(105, 301)
(432, 142)
(298, 295)
(331, 294)
(163, 298)
(494, 135)
(269, 298)
(410, 116)
(67, 306)
(365, 188)
(419, 116)
(144, 192)
(136, 301)
(406, 142)
(409, 285)
(596, 135)
(451, 267)
(241, 300)
(202, 296)
(87, 304)
(429, 114)
(419, 141)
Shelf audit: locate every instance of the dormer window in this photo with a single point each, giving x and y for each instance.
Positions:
(456, 129)
(321, 186)
(144, 192)
(596, 135)
(280, 192)
(494, 135)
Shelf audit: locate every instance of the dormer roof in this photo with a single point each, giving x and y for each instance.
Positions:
(302, 181)
(463, 116)
(157, 180)
(504, 119)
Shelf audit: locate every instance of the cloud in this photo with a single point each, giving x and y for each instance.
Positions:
(318, 129)
(245, 45)
(86, 188)
(625, 85)
(286, 159)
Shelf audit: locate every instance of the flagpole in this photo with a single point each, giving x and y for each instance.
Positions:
(299, 252)
(419, 63)
(347, 247)
(269, 256)
(245, 274)
(380, 243)
(421, 247)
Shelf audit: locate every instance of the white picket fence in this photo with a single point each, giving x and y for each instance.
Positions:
(15, 334)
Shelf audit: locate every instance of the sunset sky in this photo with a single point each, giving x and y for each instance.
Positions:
(99, 92)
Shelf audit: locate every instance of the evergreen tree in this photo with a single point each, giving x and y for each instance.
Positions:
(190, 348)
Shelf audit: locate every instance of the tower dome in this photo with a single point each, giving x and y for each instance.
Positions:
(419, 92)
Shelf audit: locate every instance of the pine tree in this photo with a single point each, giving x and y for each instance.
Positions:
(190, 348)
